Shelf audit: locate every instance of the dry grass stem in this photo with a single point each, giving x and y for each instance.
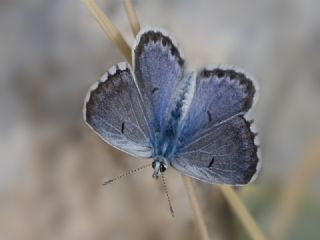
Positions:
(108, 27)
(132, 16)
(196, 208)
(242, 212)
(293, 192)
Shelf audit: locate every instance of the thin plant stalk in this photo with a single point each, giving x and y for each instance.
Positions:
(293, 192)
(109, 28)
(196, 208)
(132, 16)
(242, 212)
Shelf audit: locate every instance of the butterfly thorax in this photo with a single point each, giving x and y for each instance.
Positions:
(159, 165)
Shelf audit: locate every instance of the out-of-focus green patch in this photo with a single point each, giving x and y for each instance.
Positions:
(262, 204)
(306, 223)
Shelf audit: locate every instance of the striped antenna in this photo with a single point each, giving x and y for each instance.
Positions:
(126, 174)
(167, 193)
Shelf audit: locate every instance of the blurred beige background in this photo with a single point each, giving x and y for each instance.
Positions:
(52, 165)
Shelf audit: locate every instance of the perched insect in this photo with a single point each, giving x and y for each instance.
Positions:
(195, 122)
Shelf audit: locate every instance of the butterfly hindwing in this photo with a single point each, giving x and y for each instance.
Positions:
(227, 153)
(158, 67)
(115, 111)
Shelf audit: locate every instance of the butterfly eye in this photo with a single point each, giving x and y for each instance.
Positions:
(162, 168)
(153, 165)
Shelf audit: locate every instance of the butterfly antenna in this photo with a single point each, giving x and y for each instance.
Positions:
(167, 193)
(126, 174)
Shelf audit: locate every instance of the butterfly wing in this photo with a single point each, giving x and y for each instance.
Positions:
(226, 154)
(158, 67)
(114, 110)
(217, 143)
(220, 95)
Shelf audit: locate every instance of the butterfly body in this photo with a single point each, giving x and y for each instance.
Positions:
(197, 123)
(175, 116)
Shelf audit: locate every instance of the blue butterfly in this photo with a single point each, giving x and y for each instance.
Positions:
(196, 123)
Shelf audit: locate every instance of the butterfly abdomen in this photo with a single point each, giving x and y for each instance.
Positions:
(180, 103)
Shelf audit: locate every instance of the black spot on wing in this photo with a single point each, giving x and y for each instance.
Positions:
(154, 90)
(209, 116)
(211, 162)
(220, 73)
(122, 128)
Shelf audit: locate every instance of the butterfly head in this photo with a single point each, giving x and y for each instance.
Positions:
(159, 166)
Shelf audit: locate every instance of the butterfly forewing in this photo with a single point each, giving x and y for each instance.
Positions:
(114, 109)
(158, 66)
(220, 95)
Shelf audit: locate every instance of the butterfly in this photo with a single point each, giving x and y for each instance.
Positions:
(196, 122)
